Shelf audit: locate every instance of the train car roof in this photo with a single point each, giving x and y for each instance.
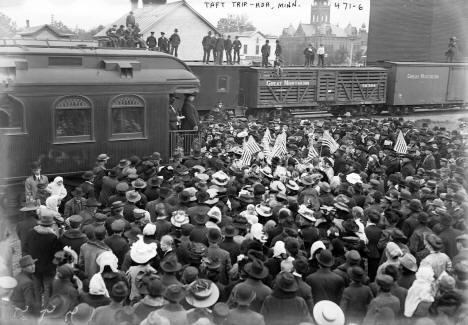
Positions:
(425, 63)
(66, 66)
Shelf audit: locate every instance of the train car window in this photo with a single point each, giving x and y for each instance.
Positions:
(73, 119)
(257, 49)
(245, 48)
(222, 84)
(127, 117)
(11, 116)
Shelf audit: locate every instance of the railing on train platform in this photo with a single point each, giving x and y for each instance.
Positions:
(182, 141)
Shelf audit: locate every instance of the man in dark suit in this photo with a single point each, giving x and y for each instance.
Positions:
(265, 53)
(373, 234)
(228, 49)
(237, 45)
(191, 120)
(163, 43)
(174, 118)
(219, 49)
(325, 284)
(151, 42)
(206, 43)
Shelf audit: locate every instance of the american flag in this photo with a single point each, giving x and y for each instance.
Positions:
(250, 147)
(328, 141)
(400, 145)
(266, 143)
(279, 149)
(312, 152)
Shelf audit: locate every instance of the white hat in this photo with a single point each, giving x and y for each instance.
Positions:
(279, 248)
(140, 252)
(7, 282)
(107, 258)
(257, 232)
(179, 218)
(306, 213)
(263, 210)
(97, 286)
(353, 178)
(277, 186)
(326, 312)
(242, 134)
(215, 213)
(213, 196)
(315, 246)
(220, 178)
(149, 229)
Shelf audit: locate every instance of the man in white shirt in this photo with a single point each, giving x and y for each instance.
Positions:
(321, 55)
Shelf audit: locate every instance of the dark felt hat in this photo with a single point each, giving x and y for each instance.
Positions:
(256, 269)
(286, 282)
(325, 258)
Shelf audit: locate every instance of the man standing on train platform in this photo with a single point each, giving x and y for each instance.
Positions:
(174, 42)
(206, 43)
(321, 56)
(151, 42)
(191, 120)
(174, 118)
(228, 49)
(220, 49)
(163, 43)
(265, 53)
(237, 45)
(30, 185)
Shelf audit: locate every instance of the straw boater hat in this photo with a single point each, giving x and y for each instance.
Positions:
(292, 185)
(140, 252)
(213, 196)
(306, 213)
(132, 196)
(202, 293)
(220, 178)
(326, 312)
(263, 210)
(179, 218)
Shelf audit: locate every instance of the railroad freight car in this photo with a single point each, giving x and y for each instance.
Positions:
(63, 107)
(413, 85)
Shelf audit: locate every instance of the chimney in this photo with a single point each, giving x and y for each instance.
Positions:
(134, 4)
(27, 23)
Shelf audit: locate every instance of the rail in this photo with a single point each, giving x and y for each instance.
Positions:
(182, 142)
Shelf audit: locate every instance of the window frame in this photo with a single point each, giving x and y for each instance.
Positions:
(227, 83)
(22, 130)
(130, 135)
(245, 49)
(72, 138)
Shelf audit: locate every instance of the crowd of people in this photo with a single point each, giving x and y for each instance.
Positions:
(357, 234)
(129, 35)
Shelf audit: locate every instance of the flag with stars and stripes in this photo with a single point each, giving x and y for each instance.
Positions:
(400, 145)
(279, 149)
(266, 143)
(328, 141)
(250, 148)
(312, 152)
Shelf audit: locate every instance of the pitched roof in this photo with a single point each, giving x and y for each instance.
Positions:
(148, 16)
(306, 30)
(35, 29)
(249, 33)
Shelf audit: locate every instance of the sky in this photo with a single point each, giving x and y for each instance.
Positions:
(87, 14)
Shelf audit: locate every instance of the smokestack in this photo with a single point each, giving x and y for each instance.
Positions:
(27, 23)
(134, 4)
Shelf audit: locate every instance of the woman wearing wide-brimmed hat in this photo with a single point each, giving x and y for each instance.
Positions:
(201, 295)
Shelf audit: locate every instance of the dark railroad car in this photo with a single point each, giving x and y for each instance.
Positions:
(63, 107)
(219, 83)
(426, 84)
(305, 88)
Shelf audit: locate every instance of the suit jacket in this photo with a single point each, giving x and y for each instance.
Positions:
(107, 190)
(118, 245)
(73, 238)
(373, 234)
(23, 294)
(88, 189)
(30, 185)
(191, 116)
(73, 206)
(42, 244)
(244, 316)
(326, 285)
(261, 290)
(163, 44)
(219, 254)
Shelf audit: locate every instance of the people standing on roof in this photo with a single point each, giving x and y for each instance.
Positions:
(174, 42)
(321, 55)
(206, 44)
(452, 50)
(130, 20)
(237, 45)
(214, 40)
(220, 49)
(309, 54)
(163, 43)
(151, 42)
(228, 49)
(265, 53)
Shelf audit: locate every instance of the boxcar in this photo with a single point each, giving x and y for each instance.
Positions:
(63, 107)
(307, 88)
(426, 84)
(219, 83)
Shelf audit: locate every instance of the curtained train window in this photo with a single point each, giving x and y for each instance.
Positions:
(11, 116)
(127, 117)
(73, 119)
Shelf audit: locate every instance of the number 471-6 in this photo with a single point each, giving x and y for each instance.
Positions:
(348, 5)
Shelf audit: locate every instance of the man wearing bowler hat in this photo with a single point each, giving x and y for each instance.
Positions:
(219, 254)
(23, 296)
